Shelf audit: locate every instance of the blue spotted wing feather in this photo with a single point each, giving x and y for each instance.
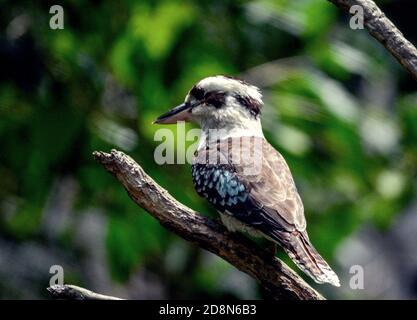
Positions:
(251, 198)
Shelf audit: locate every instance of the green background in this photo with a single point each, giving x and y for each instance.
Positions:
(339, 108)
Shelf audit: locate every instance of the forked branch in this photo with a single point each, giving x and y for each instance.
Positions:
(274, 275)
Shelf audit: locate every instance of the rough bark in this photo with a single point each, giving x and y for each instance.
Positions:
(274, 275)
(71, 292)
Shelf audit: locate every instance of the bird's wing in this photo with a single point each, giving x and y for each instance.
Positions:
(274, 189)
(253, 184)
(250, 181)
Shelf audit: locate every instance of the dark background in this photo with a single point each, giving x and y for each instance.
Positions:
(339, 108)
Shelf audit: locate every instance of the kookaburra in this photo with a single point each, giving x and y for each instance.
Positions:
(241, 174)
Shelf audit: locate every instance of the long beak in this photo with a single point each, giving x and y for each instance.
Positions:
(179, 113)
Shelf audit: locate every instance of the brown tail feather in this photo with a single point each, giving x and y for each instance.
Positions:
(306, 257)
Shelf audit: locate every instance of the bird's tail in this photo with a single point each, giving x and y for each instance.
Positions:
(306, 257)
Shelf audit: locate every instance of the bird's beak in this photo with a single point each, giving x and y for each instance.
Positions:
(179, 113)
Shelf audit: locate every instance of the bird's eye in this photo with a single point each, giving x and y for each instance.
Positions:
(216, 99)
(197, 93)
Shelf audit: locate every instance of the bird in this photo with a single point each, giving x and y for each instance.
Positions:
(241, 174)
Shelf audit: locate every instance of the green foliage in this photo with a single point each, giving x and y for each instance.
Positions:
(100, 82)
(129, 244)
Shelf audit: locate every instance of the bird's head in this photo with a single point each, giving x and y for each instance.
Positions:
(217, 102)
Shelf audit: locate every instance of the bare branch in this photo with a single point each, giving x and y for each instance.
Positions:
(72, 292)
(382, 29)
(274, 275)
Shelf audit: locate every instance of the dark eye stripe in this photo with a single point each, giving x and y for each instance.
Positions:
(197, 92)
(254, 106)
(215, 98)
(218, 98)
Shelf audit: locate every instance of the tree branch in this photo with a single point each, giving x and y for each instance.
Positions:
(382, 29)
(274, 275)
(72, 292)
